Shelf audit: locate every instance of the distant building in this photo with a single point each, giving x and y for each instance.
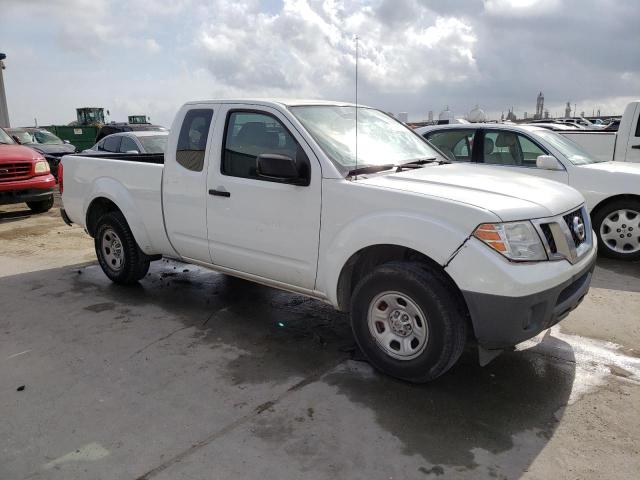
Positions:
(511, 116)
(526, 115)
(567, 110)
(403, 117)
(546, 113)
(430, 116)
(477, 115)
(598, 112)
(539, 107)
(445, 116)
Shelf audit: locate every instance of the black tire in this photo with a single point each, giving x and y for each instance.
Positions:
(444, 315)
(631, 230)
(134, 262)
(41, 206)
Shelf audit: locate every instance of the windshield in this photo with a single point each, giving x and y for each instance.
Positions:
(154, 144)
(574, 152)
(381, 139)
(4, 138)
(46, 137)
(23, 136)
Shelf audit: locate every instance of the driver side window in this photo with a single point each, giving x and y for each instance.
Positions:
(510, 148)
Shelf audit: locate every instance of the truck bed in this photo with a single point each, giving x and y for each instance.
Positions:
(136, 181)
(599, 144)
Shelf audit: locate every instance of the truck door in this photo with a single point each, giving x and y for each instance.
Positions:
(256, 225)
(633, 145)
(184, 188)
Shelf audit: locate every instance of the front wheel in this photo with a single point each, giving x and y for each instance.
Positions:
(408, 321)
(118, 253)
(41, 206)
(617, 226)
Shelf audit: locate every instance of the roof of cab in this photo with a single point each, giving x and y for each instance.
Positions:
(278, 102)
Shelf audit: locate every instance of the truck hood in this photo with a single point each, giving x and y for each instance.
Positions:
(509, 195)
(17, 153)
(52, 149)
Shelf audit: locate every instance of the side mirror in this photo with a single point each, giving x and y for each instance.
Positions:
(16, 139)
(280, 168)
(135, 152)
(66, 141)
(548, 162)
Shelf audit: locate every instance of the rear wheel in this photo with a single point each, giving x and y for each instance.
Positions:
(408, 321)
(41, 206)
(118, 253)
(617, 226)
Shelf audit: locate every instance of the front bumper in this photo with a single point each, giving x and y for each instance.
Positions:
(25, 195)
(501, 321)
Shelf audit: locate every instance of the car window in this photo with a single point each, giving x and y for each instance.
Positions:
(128, 145)
(250, 134)
(510, 148)
(192, 141)
(455, 144)
(154, 143)
(112, 143)
(99, 146)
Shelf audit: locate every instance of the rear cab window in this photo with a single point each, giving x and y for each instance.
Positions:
(192, 142)
(111, 144)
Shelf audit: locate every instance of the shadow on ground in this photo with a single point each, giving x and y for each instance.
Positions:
(497, 418)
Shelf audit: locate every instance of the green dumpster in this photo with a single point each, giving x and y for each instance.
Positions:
(81, 136)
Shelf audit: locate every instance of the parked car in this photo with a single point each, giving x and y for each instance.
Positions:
(611, 189)
(111, 128)
(43, 141)
(131, 142)
(24, 176)
(419, 250)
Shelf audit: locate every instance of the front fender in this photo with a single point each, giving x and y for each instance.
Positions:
(113, 190)
(430, 236)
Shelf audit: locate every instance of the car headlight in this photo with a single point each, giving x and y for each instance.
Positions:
(518, 241)
(42, 167)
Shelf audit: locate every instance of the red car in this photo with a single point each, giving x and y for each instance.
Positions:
(24, 176)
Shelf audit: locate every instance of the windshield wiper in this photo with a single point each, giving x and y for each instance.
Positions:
(422, 161)
(370, 169)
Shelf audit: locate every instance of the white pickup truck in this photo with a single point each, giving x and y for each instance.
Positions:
(621, 146)
(422, 252)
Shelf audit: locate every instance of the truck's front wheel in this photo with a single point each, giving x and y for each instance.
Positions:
(408, 321)
(41, 206)
(118, 253)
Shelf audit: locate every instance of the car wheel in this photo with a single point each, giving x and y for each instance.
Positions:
(408, 321)
(41, 206)
(118, 253)
(617, 226)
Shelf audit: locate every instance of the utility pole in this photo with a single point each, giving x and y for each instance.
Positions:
(4, 111)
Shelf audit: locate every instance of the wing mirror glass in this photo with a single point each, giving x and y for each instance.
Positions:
(281, 168)
(548, 162)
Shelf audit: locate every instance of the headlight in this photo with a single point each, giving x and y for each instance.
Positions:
(517, 241)
(42, 167)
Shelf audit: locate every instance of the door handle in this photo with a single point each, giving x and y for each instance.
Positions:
(219, 193)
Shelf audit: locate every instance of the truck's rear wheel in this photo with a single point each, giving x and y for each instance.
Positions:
(118, 253)
(41, 206)
(408, 321)
(617, 225)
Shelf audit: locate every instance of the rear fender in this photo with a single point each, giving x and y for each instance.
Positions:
(116, 192)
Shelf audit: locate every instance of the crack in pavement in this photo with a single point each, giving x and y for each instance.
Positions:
(158, 340)
(313, 376)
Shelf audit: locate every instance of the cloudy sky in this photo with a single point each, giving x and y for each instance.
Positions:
(150, 56)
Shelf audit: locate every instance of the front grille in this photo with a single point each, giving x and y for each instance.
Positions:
(548, 235)
(14, 171)
(573, 225)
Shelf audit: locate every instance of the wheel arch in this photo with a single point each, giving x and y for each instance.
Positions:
(366, 259)
(605, 201)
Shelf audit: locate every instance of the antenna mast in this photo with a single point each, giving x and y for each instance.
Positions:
(356, 39)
